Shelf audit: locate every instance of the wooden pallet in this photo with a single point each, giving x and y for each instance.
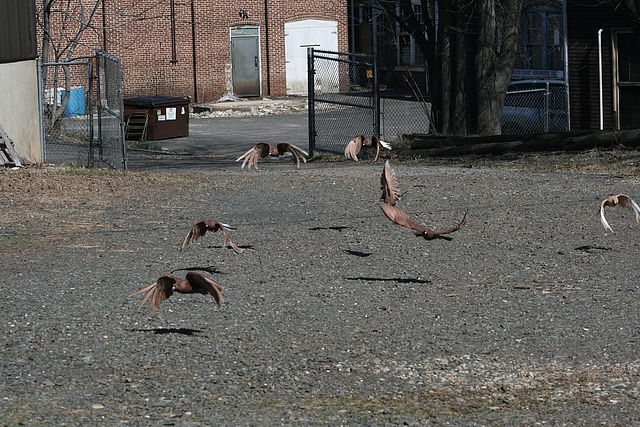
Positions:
(8, 155)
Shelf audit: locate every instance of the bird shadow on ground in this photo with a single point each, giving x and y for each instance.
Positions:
(163, 331)
(357, 253)
(335, 227)
(591, 248)
(211, 269)
(229, 247)
(390, 279)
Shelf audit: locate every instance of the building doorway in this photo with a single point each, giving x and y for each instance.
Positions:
(245, 61)
(300, 35)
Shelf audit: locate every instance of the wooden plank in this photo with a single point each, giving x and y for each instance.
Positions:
(7, 146)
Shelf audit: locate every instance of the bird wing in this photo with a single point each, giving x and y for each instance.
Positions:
(203, 285)
(251, 157)
(384, 144)
(298, 153)
(196, 231)
(374, 140)
(627, 202)
(603, 220)
(353, 148)
(389, 185)
(400, 217)
(157, 292)
(227, 238)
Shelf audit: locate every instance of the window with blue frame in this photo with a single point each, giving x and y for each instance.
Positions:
(542, 36)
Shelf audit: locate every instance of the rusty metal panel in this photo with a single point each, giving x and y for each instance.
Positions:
(17, 30)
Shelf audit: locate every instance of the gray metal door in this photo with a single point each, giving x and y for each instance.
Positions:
(245, 61)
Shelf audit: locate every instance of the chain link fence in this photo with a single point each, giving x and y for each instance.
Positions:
(110, 147)
(67, 117)
(535, 106)
(403, 115)
(341, 101)
(81, 105)
(344, 101)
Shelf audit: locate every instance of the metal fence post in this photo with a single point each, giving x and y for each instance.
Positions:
(546, 107)
(376, 79)
(41, 106)
(98, 97)
(311, 100)
(90, 108)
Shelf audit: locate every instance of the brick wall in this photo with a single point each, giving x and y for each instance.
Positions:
(139, 32)
(145, 44)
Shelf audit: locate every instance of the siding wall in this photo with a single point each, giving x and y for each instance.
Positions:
(17, 30)
(585, 18)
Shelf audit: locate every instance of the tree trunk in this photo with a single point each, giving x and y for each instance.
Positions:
(494, 60)
(488, 108)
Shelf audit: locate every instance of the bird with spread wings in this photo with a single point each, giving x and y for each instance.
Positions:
(165, 286)
(391, 194)
(264, 149)
(355, 146)
(618, 200)
(202, 227)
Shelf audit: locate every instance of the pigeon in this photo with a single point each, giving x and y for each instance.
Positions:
(391, 194)
(262, 149)
(355, 145)
(164, 287)
(210, 225)
(618, 200)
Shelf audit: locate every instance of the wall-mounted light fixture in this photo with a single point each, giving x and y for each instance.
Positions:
(243, 14)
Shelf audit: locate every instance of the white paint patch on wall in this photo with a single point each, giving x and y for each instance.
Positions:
(299, 35)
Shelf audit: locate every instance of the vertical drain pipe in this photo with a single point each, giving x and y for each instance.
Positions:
(104, 26)
(565, 47)
(266, 33)
(600, 78)
(193, 52)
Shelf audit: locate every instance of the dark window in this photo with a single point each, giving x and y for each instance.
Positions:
(543, 38)
(628, 58)
(628, 81)
(17, 30)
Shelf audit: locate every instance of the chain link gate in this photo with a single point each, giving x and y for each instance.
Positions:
(345, 100)
(81, 107)
(342, 102)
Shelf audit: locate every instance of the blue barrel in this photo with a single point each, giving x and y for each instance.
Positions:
(76, 104)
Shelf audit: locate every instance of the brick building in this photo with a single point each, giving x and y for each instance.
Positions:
(207, 48)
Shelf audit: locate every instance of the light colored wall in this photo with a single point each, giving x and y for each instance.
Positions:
(19, 114)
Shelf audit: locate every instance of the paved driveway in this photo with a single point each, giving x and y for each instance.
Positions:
(217, 142)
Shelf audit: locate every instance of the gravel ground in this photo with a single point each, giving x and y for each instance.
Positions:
(332, 314)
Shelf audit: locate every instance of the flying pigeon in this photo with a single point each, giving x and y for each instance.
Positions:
(164, 287)
(618, 200)
(210, 225)
(391, 194)
(355, 145)
(262, 149)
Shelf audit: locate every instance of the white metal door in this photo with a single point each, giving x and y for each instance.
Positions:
(298, 36)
